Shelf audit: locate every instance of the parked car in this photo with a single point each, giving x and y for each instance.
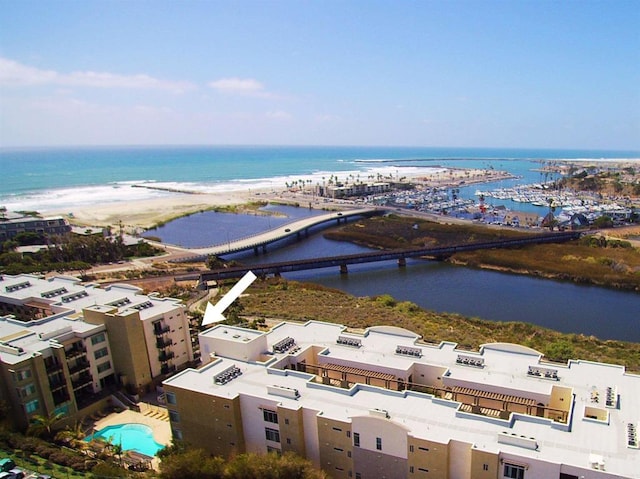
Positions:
(6, 464)
(14, 473)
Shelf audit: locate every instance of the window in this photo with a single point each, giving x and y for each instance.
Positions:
(104, 367)
(23, 374)
(348, 433)
(411, 469)
(101, 353)
(32, 406)
(485, 467)
(272, 434)
(513, 471)
(379, 443)
(171, 398)
(270, 416)
(288, 440)
(411, 448)
(174, 416)
(358, 475)
(28, 390)
(275, 450)
(356, 440)
(177, 433)
(98, 338)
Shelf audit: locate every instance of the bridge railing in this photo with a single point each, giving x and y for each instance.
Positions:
(199, 252)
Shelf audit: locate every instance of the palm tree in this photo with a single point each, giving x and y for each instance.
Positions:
(73, 436)
(43, 425)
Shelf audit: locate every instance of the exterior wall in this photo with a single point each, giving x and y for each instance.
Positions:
(229, 347)
(335, 442)
(460, 460)
(213, 423)
(534, 469)
(128, 349)
(312, 446)
(428, 459)
(484, 465)
(32, 394)
(94, 363)
(390, 460)
(177, 339)
(427, 375)
(10, 387)
(291, 424)
(254, 424)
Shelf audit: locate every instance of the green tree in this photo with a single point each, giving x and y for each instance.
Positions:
(42, 426)
(603, 221)
(191, 463)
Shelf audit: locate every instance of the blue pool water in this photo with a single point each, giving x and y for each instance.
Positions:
(133, 437)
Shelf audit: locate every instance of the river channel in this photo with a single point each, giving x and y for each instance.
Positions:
(563, 306)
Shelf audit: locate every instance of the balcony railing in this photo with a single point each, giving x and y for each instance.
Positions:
(82, 381)
(158, 331)
(165, 356)
(75, 352)
(163, 342)
(79, 366)
(52, 366)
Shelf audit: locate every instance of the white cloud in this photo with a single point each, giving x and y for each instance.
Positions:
(240, 86)
(13, 73)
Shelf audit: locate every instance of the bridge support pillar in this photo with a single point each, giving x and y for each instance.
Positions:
(402, 262)
(343, 269)
(264, 248)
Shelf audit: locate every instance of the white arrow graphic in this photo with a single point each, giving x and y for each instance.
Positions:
(213, 314)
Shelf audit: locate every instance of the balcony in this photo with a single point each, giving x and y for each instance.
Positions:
(166, 369)
(81, 365)
(75, 351)
(83, 380)
(162, 343)
(60, 397)
(159, 330)
(165, 356)
(52, 365)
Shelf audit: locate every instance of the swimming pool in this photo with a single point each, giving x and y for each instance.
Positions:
(132, 436)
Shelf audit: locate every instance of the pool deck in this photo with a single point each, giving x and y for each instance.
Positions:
(160, 426)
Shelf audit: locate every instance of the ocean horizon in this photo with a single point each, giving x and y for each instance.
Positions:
(61, 178)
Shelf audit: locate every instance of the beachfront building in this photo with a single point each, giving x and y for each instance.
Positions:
(355, 189)
(11, 224)
(383, 404)
(64, 345)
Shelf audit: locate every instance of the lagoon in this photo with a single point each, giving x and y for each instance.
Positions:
(560, 305)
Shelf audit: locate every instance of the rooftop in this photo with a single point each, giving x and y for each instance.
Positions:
(603, 398)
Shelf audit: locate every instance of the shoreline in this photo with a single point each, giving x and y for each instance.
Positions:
(143, 214)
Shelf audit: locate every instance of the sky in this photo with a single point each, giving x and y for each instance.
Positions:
(478, 73)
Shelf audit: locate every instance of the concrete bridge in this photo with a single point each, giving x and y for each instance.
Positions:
(400, 256)
(260, 241)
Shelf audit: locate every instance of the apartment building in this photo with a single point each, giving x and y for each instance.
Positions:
(12, 224)
(383, 404)
(63, 343)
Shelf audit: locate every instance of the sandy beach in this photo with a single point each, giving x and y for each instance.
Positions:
(143, 214)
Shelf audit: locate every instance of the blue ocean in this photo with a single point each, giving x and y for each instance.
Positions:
(59, 179)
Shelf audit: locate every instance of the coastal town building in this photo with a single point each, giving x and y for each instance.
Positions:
(384, 404)
(12, 224)
(336, 191)
(64, 344)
